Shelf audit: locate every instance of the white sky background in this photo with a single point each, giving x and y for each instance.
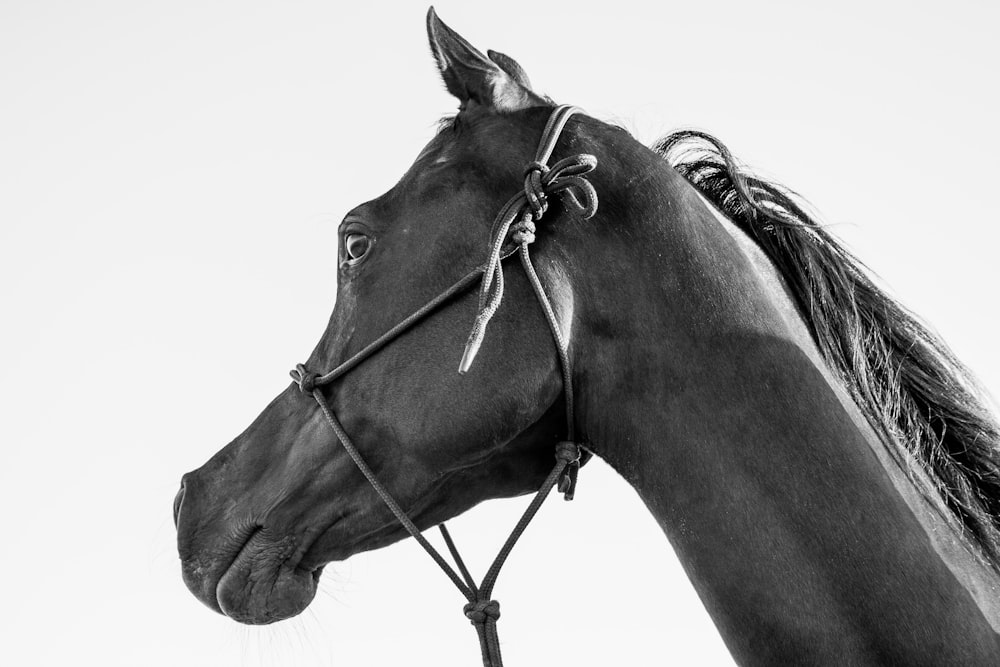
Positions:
(171, 179)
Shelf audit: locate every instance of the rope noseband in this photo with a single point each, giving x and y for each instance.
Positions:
(516, 220)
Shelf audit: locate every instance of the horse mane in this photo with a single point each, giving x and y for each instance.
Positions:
(923, 401)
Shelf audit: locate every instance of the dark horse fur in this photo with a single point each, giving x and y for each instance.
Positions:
(905, 378)
(823, 466)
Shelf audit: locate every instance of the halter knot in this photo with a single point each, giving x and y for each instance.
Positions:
(480, 610)
(567, 451)
(523, 231)
(534, 188)
(304, 378)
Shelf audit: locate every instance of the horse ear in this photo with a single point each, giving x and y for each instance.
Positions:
(511, 66)
(498, 83)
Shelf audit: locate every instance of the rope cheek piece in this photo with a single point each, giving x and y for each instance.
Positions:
(512, 232)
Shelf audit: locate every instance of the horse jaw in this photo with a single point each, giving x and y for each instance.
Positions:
(253, 544)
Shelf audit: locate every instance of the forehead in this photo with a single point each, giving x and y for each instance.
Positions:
(489, 138)
(485, 152)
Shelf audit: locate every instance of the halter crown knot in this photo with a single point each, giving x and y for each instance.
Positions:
(304, 378)
(534, 189)
(480, 610)
(565, 176)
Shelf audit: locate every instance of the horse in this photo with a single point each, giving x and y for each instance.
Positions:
(827, 472)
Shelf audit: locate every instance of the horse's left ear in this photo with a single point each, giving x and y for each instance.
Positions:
(497, 82)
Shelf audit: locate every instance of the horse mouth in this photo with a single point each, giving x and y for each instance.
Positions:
(264, 583)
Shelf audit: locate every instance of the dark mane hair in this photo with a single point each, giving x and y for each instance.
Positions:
(925, 403)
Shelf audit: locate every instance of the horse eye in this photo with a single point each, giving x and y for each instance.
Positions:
(356, 246)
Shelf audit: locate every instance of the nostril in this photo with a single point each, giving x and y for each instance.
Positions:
(178, 499)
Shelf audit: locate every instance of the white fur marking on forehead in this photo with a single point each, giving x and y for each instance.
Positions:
(441, 153)
(424, 153)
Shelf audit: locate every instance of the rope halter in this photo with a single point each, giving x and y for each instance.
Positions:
(513, 231)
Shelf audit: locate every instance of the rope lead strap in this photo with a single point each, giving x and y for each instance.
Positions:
(516, 220)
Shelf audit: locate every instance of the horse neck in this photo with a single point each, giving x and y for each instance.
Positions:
(699, 383)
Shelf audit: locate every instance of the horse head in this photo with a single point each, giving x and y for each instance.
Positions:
(258, 521)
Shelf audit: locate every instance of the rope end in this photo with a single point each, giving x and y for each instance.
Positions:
(469, 355)
(567, 484)
(569, 453)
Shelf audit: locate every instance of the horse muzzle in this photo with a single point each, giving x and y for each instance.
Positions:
(246, 572)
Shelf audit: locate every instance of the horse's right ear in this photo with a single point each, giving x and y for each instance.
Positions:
(497, 82)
